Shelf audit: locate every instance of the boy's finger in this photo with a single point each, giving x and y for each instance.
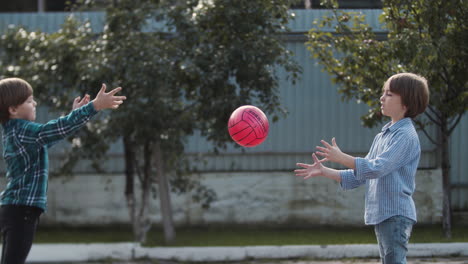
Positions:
(322, 149)
(119, 98)
(334, 142)
(103, 89)
(325, 143)
(315, 157)
(301, 174)
(321, 154)
(323, 160)
(303, 165)
(116, 90)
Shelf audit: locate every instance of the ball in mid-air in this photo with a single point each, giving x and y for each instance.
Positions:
(248, 126)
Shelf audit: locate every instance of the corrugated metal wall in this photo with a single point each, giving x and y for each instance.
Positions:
(459, 170)
(49, 22)
(303, 19)
(315, 112)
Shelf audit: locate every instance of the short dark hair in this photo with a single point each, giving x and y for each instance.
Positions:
(13, 92)
(413, 89)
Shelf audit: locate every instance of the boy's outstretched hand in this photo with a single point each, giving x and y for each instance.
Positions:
(334, 154)
(330, 152)
(309, 170)
(108, 100)
(317, 169)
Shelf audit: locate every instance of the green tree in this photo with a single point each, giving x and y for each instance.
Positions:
(184, 66)
(427, 37)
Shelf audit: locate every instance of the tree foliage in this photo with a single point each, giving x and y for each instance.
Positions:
(424, 37)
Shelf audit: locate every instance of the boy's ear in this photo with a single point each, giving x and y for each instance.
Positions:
(406, 109)
(12, 110)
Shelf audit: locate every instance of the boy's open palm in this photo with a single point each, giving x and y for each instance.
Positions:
(333, 153)
(108, 100)
(310, 170)
(330, 152)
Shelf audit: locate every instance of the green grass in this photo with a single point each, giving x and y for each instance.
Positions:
(243, 236)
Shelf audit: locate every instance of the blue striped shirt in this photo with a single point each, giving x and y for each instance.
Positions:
(388, 171)
(25, 146)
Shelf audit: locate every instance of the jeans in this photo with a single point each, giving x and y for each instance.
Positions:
(393, 235)
(18, 225)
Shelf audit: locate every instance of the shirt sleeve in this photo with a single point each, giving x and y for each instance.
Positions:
(57, 129)
(396, 154)
(349, 181)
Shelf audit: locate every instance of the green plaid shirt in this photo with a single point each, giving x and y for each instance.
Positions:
(25, 145)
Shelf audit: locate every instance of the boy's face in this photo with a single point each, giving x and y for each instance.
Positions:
(26, 110)
(391, 105)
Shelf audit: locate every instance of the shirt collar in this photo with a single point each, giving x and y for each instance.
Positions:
(6, 124)
(403, 122)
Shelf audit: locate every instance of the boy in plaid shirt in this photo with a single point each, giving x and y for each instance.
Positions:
(25, 145)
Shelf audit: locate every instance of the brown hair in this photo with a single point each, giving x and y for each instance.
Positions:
(13, 92)
(413, 90)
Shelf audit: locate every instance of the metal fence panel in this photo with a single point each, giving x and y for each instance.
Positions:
(49, 22)
(459, 169)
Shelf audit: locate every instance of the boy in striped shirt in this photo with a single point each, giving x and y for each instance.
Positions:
(388, 170)
(25, 145)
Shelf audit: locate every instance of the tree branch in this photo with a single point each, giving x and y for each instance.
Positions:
(434, 111)
(454, 125)
(423, 129)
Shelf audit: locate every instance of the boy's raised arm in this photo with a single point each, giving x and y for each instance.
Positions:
(60, 128)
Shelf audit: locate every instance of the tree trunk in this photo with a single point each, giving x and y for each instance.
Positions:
(140, 221)
(164, 197)
(447, 192)
(130, 183)
(144, 217)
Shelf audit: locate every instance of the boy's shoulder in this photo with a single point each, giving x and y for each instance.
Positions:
(19, 126)
(14, 123)
(408, 126)
(406, 132)
(405, 124)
